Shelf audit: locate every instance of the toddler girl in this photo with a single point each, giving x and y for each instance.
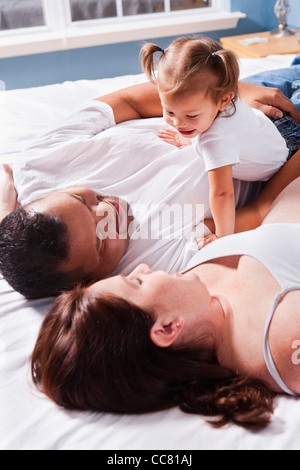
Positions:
(198, 87)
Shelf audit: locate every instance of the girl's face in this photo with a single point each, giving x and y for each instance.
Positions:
(191, 113)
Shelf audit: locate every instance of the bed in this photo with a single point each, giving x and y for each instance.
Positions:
(28, 420)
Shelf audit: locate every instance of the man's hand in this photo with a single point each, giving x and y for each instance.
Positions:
(8, 193)
(271, 101)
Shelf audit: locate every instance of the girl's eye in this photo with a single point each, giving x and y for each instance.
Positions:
(192, 117)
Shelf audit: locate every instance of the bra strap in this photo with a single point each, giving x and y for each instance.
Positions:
(267, 351)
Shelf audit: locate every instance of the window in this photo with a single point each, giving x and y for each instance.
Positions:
(92, 9)
(188, 4)
(36, 26)
(16, 14)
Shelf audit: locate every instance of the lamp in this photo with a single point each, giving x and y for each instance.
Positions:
(282, 10)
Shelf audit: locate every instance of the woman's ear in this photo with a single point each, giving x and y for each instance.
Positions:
(164, 335)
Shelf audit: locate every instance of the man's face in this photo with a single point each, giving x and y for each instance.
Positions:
(97, 229)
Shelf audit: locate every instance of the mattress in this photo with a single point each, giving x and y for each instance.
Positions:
(28, 420)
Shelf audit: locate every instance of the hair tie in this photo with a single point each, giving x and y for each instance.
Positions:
(162, 51)
(214, 54)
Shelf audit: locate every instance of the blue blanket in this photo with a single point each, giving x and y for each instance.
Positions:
(287, 80)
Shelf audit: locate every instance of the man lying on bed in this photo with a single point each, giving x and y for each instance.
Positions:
(40, 259)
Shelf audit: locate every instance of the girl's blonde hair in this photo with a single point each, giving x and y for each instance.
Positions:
(190, 57)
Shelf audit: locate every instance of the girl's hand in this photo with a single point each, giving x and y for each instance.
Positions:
(174, 138)
(8, 193)
(202, 242)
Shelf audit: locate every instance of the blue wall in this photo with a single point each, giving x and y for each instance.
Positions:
(121, 59)
(294, 19)
(260, 14)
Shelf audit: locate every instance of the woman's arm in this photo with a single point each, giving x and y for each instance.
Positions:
(142, 101)
(252, 216)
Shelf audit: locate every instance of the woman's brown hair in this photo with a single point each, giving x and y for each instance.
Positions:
(95, 353)
(187, 58)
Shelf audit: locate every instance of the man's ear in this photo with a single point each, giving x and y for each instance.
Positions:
(163, 335)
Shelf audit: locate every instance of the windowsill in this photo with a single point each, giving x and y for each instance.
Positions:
(86, 34)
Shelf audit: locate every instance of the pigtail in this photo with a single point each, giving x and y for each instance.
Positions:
(147, 60)
(187, 57)
(230, 71)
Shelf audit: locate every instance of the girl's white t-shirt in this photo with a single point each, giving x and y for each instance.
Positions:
(248, 140)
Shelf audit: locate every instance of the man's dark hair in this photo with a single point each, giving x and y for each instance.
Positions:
(32, 246)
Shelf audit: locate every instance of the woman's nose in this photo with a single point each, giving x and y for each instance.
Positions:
(141, 269)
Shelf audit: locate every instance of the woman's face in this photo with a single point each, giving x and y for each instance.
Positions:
(178, 298)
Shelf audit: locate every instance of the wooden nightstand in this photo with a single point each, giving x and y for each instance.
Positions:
(286, 45)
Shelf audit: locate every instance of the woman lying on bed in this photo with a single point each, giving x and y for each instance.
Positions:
(220, 339)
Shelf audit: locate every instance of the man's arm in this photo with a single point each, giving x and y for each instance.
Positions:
(142, 101)
(8, 193)
(136, 102)
(271, 101)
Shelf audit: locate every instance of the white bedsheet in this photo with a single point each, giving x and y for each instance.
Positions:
(29, 420)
